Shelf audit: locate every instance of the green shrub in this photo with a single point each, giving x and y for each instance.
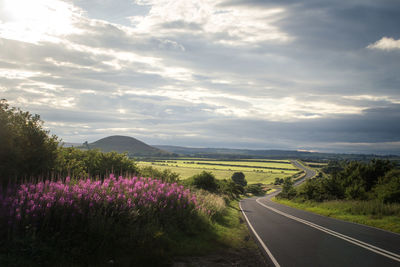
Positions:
(288, 191)
(83, 163)
(239, 178)
(165, 175)
(255, 189)
(388, 188)
(204, 180)
(230, 189)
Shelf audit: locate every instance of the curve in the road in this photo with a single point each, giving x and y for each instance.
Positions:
(300, 238)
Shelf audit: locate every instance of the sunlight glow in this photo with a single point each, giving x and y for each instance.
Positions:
(37, 21)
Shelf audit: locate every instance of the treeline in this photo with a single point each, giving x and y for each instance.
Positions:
(228, 188)
(29, 152)
(375, 180)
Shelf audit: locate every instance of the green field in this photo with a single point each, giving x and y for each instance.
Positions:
(256, 171)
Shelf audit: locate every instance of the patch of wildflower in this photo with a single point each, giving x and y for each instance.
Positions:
(113, 197)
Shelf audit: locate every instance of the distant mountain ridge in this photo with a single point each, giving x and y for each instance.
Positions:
(273, 154)
(121, 144)
(137, 148)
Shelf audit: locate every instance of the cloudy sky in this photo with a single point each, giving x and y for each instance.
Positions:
(309, 74)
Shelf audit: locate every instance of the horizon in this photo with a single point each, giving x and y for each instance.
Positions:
(232, 148)
(298, 75)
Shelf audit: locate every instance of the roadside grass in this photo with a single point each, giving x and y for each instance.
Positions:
(372, 213)
(227, 231)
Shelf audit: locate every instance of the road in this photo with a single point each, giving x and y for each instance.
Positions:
(292, 237)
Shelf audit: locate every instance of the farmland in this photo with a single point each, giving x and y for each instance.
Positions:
(255, 170)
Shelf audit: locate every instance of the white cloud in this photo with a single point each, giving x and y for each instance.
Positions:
(181, 65)
(236, 25)
(389, 99)
(386, 43)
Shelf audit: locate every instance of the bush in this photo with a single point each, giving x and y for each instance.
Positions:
(388, 188)
(230, 189)
(239, 178)
(166, 175)
(376, 180)
(255, 189)
(288, 190)
(27, 150)
(94, 163)
(204, 180)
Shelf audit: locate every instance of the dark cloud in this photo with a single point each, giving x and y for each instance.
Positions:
(182, 83)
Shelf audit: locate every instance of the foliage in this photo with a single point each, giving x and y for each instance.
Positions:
(85, 163)
(239, 178)
(333, 167)
(388, 188)
(26, 150)
(204, 180)
(255, 189)
(288, 190)
(97, 221)
(371, 212)
(165, 175)
(207, 181)
(356, 181)
(229, 189)
(279, 181)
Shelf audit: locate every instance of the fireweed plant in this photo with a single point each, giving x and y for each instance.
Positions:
(93, 217)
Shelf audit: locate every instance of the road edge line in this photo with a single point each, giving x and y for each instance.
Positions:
(377, 250)
(269, 253)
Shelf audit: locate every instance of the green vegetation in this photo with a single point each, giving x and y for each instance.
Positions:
(228, 231)
(239, 178)
(372, 213)
(257, 171)
(367, 193)
(26, 148)
(93, 218)
(207, 181)
(92, 163)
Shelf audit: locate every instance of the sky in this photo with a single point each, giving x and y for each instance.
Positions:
(300, 75)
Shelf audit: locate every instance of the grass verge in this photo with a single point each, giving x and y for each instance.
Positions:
(371, 213)
(228, 231)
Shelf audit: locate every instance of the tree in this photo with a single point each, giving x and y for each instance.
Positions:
(288, 191)
(27, 150)
(388, 188)
(239, 178)
(205, 180)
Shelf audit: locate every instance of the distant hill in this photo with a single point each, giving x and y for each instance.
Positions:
(132, 146)
(272, 154)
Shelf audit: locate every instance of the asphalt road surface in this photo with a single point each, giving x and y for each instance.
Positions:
(292, 237)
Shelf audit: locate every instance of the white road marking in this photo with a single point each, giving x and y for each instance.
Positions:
(275, 262)
(354, 241)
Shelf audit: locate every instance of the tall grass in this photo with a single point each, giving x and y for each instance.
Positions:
(211, 204)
